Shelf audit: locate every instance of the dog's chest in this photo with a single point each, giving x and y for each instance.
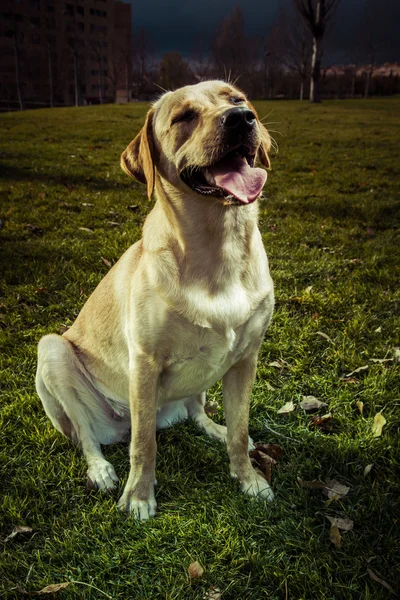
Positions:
(201, 356)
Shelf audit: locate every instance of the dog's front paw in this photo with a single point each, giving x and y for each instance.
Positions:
(101, 475)
(141, 509)
(257, 486)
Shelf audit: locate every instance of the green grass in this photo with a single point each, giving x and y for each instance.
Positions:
(330, 220)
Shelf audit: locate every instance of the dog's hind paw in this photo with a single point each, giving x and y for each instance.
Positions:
(101, 475)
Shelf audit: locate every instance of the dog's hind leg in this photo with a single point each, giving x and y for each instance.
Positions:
(70, 401)
(195, 407)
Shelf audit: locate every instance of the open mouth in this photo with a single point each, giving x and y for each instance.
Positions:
(234, 177)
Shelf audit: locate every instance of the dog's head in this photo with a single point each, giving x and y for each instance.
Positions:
(202, 138)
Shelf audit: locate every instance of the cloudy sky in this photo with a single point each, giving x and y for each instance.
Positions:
(180, 25)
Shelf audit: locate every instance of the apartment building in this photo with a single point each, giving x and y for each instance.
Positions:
(57, 52)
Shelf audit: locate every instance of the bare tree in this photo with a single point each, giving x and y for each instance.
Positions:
(297, 48)
(231, 46)
(316, 14)
(174, 71)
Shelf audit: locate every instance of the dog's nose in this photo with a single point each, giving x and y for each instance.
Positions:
(238, 117)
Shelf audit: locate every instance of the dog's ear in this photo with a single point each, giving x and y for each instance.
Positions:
(265, 147)
(138, 158)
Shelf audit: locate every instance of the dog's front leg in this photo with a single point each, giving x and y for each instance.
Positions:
(237, 386)
(138, 496)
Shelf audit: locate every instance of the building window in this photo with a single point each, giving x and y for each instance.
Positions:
(35, 4)
(80, 11)
(50, 5)
(69, 10)
(81, 27)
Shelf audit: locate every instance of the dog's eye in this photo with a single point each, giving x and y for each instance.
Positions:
(188, 115)
(236, 100)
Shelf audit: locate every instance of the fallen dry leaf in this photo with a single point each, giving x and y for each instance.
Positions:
(349, 380)
(396, 354)
(286, 408)
(278, 364)
(272, 450)
(262, 463)
(33, 228)
(368, 469)
(17, 530)
(211, 407)
(195, 570)
(335, 490)
(49, 589)
(133, 207)
(342, 524)
(379, 422)
(379, 579)
(360, 406)
(106, 262)
(114, 224)
(314, 484)
(311, 403)
(324, 423)
(334, 536)
(86, 229)
(212, 594)
(324, 335)
(359, 370)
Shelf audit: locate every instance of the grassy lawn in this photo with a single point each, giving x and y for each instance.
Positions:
(330, 222)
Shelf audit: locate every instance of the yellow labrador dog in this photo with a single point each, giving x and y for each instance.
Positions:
(185, 306)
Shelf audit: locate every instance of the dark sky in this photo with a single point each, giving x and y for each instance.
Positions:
(179, 25)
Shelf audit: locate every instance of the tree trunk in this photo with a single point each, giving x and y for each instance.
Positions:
(367, 84)
(301, 89)
(100, 86)
(76, 79)
(315, 71)
(50, 75)
(17, 76)
(127, 79)
(353, 86)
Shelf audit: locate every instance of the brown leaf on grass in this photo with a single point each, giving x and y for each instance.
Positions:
(396, 354)
(212, 594)
(286, 408)
(334, 536)
(379, 422)
(360, 406)
(18, 529)
(311, 403)
(314, 484)
(368, 469)
(324, 423)
(33, 228)
(342, 524)
(49, 589)
(335, 490)
(349, 380)
(279, 364)
(106, 262)
(86, 229)
(272, 450)
(64, 205)
(69, 187)
(359, 370)
(195, 570)
(325, 336)
(262, 463)
(211, 407)
(41, 195)
(379, 579)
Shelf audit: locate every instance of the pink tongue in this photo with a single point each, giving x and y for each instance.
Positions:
(235, 176)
